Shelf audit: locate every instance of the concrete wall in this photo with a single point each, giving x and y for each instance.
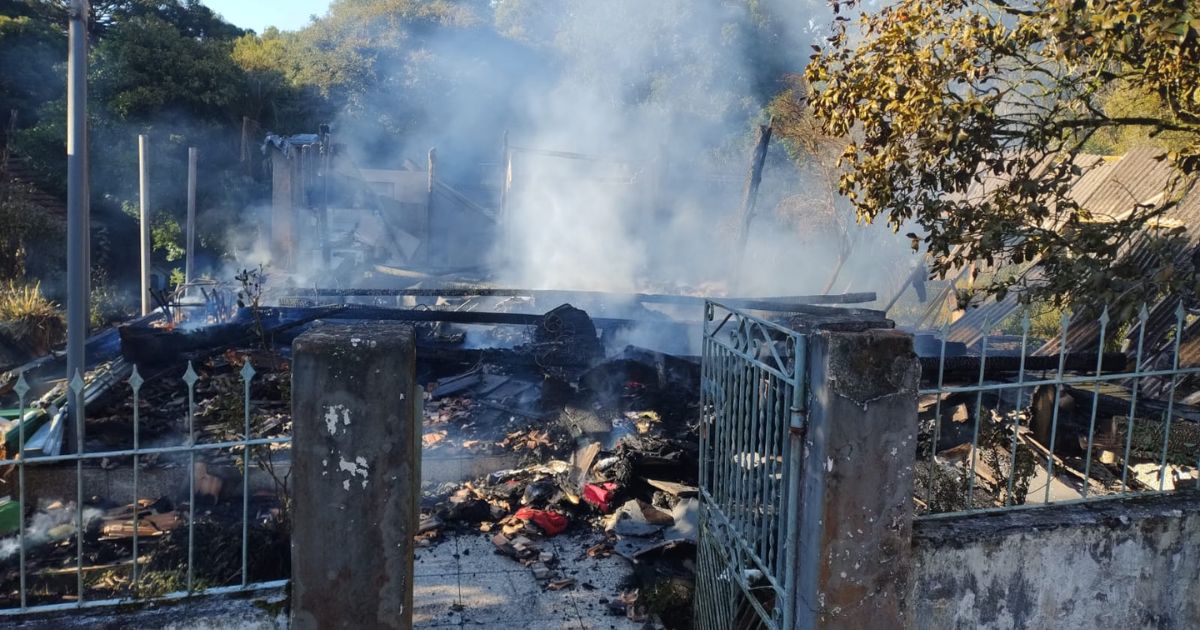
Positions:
(1120, 563)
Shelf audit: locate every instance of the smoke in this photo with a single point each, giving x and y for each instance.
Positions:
(664, 87)
(630, 127)
(48, 525)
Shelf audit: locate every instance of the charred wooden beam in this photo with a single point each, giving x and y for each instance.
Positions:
(143, 344)
(779, 304)
(1110, 405)
(489, 317)
(962, 368)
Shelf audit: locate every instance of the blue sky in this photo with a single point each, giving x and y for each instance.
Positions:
(288, 15)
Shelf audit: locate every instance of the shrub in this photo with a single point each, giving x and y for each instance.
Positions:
(26, 315)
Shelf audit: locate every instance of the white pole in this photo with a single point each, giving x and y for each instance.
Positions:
(77, 192)
(144, 217)
(190, 262)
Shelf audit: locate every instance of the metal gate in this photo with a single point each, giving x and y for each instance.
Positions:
(752, 409)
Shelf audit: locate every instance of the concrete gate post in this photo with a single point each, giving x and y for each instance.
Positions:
(356, 412)
(855, 505)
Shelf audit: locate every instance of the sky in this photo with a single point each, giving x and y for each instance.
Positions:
(287, 15)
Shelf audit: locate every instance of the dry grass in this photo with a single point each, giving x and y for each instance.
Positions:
(24, 301)
(26, 315)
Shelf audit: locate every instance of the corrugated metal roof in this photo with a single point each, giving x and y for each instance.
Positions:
(1108, 187)
(1095, 170)
(1085, 330)
(969, 328)
(1138, 177)
(1095, 173)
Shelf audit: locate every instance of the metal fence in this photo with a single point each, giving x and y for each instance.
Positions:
(30, 457)
(1106, 407)
(752, 407)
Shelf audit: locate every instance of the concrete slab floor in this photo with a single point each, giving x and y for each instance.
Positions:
(460, 582)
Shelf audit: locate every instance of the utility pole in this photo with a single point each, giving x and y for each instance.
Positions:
(78, 263)
(144, 217)
(189, 264)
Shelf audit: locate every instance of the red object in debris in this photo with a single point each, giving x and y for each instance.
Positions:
(600, 495)
(549, 522)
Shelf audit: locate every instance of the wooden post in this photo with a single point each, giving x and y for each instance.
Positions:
(429, 248)
(244, 154)
(144, 219)
(323, 214)
(749, 198)
(189, 265)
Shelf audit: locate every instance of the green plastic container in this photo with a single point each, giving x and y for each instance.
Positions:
(10, 516)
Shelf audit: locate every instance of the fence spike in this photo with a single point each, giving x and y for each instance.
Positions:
(135, 379)
(190, 376)
(247, 370)
(22, 386)
(76, 383)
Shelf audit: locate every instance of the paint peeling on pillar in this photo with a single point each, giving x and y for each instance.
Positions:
(331, 417)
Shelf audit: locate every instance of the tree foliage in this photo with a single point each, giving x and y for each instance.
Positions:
(965, 119)
(146, 65)
(28, 49)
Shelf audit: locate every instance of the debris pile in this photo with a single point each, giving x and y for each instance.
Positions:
(609, 457)
(1013, 446)
(160, 518)
(596, 441)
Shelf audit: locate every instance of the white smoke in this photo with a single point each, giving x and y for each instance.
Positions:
(48, 525)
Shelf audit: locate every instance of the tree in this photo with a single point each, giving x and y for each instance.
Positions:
(965, 118)
(30, 51)
(146, 65)
(163, 68)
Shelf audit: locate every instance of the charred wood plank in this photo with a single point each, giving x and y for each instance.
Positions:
(1110, 405)
(487, 317)
(763, 303)
(143, 344)
(958, 369)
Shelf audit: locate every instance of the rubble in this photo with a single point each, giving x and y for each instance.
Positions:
(586, 427)
(159, 522)
(1031, 445)
(550, 523)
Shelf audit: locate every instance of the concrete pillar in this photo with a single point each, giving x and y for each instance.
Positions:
(356, 467)
(855, 514)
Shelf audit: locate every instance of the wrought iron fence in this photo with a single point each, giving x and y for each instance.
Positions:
(1106, 407)
(752, 406)
(30, 455)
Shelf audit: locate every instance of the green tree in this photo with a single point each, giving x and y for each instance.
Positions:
(161, 68)
(30, 52)
(937, 97)
(145, 65)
